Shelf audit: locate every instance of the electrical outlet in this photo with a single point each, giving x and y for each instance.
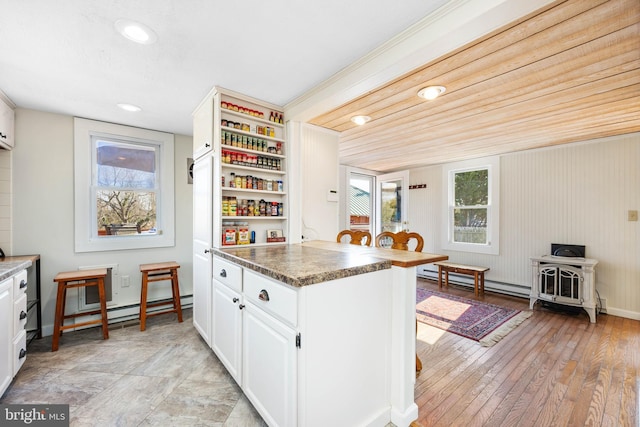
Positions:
(125, 281)
(632, 215)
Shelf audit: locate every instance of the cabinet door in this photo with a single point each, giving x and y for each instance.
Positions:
(6, 334)
(7, 117)
(203, 129)
(227, 329)
(202, 244)
(269, 366)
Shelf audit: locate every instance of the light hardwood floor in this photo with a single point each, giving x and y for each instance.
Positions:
(553, 370)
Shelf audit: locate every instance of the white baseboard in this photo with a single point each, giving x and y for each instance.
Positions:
(118, 314)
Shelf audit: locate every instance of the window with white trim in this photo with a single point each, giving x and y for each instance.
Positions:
(124, 188)
(472, 206)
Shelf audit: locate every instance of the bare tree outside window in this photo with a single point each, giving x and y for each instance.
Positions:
(125, 188)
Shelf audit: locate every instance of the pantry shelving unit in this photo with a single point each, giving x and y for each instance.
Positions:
(250, 150)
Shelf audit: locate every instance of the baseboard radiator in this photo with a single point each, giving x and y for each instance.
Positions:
(489, 285)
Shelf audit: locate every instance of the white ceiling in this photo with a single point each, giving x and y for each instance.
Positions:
(66, 57)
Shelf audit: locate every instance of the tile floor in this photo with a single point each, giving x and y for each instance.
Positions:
(164, 376)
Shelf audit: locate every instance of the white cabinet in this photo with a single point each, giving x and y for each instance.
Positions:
(296, 351)
(7, 117)
(247, 139)
(6, 334)
(269, 366)
(13, 319)
(202, 244)
(203, 129)
(19, 343)
(227, 328)
(227, 316)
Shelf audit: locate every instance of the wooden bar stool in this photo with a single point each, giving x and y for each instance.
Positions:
(77, 279)
(154, 273)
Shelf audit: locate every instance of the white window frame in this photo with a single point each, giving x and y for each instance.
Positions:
(492, 164)
(86, 238)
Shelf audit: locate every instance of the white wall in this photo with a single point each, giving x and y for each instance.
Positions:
(577, 194)
(319, 175)
(43, 211)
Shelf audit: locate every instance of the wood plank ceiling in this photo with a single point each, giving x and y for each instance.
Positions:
(567, 73)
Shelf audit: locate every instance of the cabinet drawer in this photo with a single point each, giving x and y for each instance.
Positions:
(227, 273)
(273, 297)
(19, 284)
(19, 351)
(19, 314)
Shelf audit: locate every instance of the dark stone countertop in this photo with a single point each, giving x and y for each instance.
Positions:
(299, 265)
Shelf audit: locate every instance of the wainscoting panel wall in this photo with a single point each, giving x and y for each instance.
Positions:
(579, 194)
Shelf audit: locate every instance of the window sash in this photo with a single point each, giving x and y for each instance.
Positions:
(87, 238)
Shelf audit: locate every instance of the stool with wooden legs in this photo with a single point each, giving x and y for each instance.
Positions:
(154, 273)
(77, 279)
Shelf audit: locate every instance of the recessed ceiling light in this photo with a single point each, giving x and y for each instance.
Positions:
(136, 31)
(360, 120)
(130, 107)
(431, 92)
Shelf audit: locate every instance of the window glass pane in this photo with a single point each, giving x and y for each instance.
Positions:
(390, 206)
(472, 188)
(360, 203)
(125, 165)
(470, 225)
(126, 212)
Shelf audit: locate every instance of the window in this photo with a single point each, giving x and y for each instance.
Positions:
(123, 187)
(473, 206)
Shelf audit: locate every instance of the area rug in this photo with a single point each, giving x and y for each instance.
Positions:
(476, 320)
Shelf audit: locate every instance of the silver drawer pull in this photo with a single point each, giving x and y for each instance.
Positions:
(264, 295)
(223, 273)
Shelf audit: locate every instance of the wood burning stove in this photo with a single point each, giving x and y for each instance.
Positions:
(566, 278)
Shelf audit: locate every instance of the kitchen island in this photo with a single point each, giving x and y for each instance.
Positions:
(319, 333)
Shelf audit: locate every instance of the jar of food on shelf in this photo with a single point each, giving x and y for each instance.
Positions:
(232, 180)
(280, 185)
(263, 207)
(225, 206)
(233, 206)
(278, 147)
(274, 208)
(238, 181)
(243, 233)
(280, 209)
(223, 104)
(251, 207)
(228, 233)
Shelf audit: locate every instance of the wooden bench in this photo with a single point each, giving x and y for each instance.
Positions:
(450, 267)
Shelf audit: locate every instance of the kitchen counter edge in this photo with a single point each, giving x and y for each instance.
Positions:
(290, 276)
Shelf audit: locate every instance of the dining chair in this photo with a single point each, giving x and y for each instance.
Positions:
(356, 237)
(401, 241)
